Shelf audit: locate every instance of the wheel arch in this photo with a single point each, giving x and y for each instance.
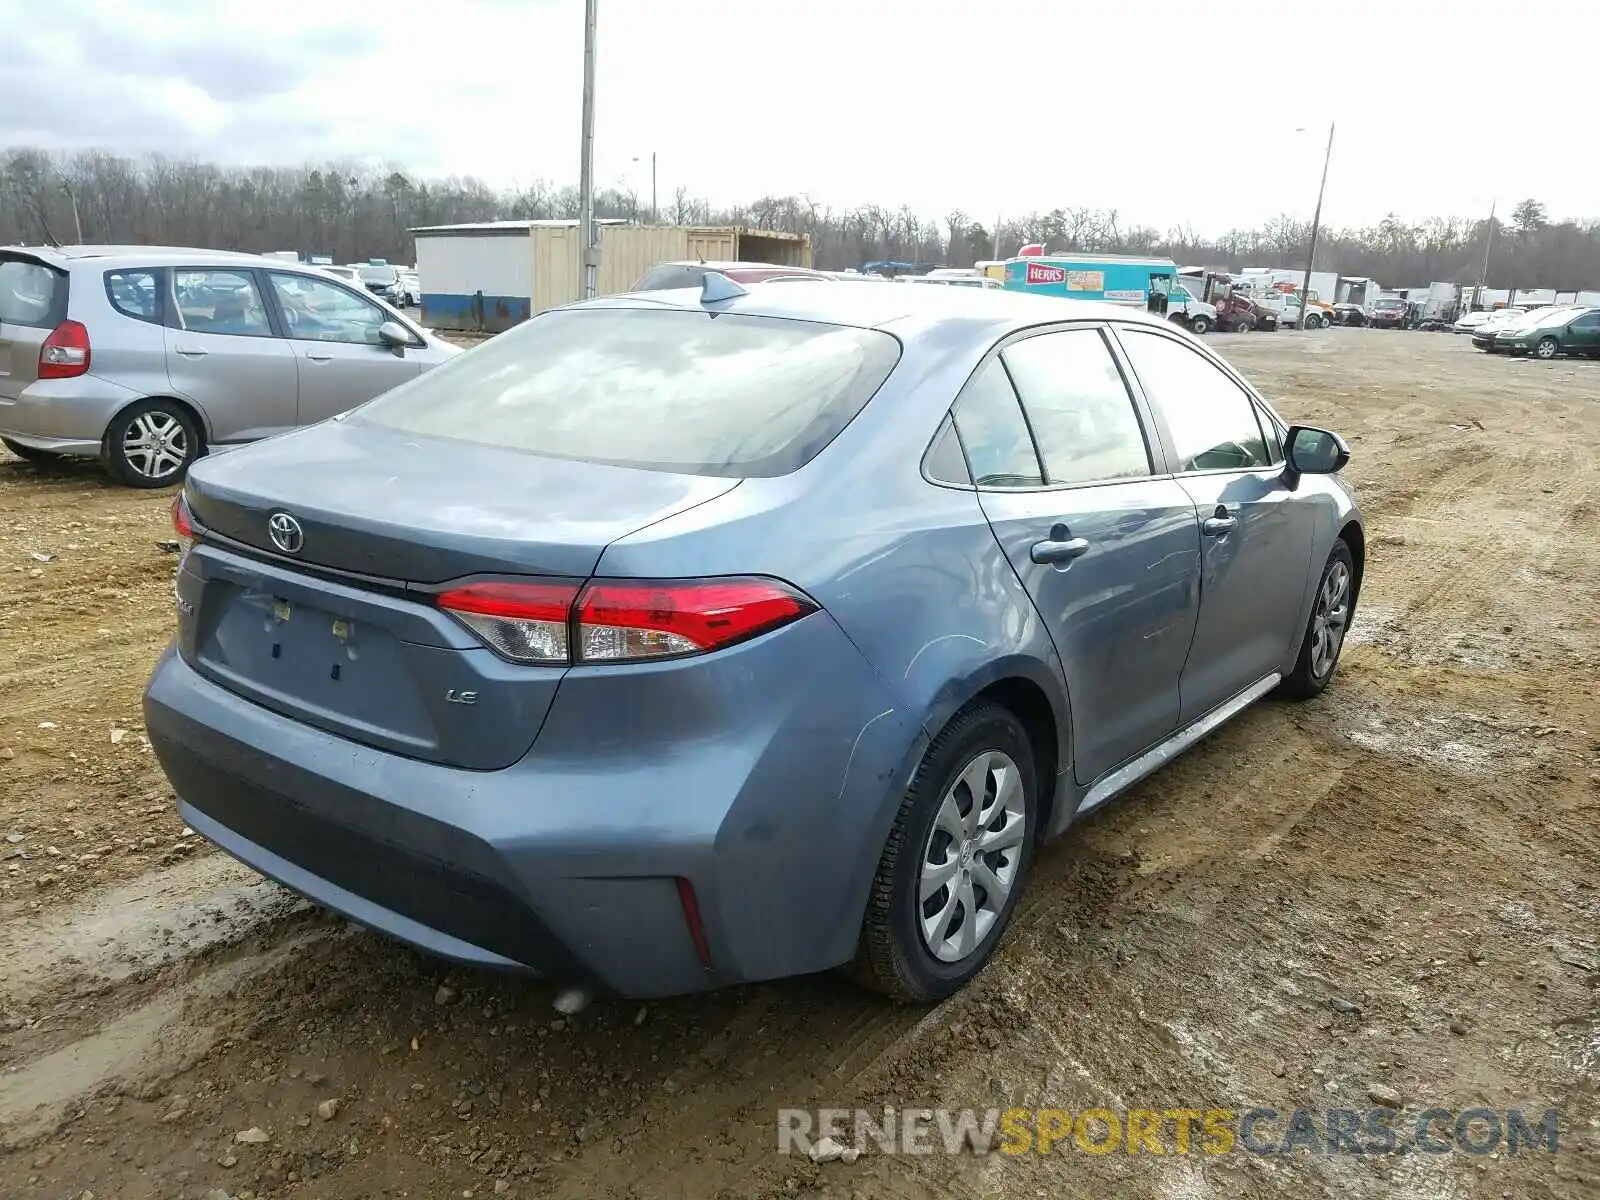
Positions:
(1356, 538)
(188, 406)
(1032, 693)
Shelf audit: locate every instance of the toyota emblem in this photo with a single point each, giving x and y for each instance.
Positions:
(285, 533)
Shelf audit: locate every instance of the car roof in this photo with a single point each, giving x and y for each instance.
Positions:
(144, 256)
(997, 311)
(729, 266)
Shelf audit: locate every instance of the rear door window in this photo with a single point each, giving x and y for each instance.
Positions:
(220, 302)
(1080, 409)
(32, 294)
(136, 294)
(700, 393)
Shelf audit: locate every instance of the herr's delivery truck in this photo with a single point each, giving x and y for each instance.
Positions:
(1148, 283)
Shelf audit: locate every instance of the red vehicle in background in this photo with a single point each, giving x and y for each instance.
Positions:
(667, 275)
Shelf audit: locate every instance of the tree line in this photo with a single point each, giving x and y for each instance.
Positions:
(356, 213)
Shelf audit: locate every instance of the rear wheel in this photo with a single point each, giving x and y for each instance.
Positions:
(1546, 348)
(955, 861)
(151, 444)
(1330, 621)
(31, 453)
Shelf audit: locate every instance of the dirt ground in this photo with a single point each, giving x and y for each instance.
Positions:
(1393, 886)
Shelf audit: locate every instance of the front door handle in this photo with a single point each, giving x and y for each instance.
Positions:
(1058, 550)
(321, 356)
(190, 351)
(1220, 525)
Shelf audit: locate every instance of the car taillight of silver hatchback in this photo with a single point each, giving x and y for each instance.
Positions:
(621, 620)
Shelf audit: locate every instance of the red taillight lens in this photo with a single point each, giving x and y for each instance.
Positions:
(525, 622)
(182, 523)
(621, 620)
(65, 353)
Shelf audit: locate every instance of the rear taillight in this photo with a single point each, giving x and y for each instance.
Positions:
(525, 622)
(621, 620)
(65, 353)
(182, 522)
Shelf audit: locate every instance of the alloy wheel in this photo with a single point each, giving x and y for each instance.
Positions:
(972, 856)
(1331, 618)
(155, 445)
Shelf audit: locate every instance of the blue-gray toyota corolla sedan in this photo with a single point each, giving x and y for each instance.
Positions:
(675, 640)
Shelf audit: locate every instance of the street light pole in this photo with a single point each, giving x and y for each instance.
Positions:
(586, 227)
(1316, 222)
(653, 218)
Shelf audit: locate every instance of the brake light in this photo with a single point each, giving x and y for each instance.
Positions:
(622, 620)
(525, 622)
(182, 522)
(65, 353)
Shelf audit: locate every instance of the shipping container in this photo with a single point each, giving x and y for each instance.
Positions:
(628, 251)
(492, 274)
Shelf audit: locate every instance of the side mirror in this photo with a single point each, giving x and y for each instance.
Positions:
(1312, 451)
(395, 335)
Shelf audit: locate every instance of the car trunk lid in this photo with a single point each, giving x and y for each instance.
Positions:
(343, 632)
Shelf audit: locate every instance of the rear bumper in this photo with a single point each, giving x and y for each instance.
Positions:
(566, 864)
(68, 416)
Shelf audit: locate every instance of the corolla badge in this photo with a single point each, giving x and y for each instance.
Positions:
(285, 533)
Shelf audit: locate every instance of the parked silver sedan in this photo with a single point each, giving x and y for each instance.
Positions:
(148, 357)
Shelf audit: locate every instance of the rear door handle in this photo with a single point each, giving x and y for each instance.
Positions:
(1219, 526)
(190, 351)
(324, 357)
(1058, 550)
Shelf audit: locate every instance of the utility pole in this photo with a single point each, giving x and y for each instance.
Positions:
(586, 227)
(1316, 222)
(997, 238)
(653, 218)
(1488, 240)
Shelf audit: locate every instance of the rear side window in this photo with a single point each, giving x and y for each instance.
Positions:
(136, 294)
(32, 294)
(668, 276)
(994, 433)
(659, 389)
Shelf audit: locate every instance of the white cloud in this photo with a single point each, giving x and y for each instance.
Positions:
(1168, 111)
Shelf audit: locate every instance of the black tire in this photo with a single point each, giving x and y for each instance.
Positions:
(893, 956)
(1243, 325)
(1312, 321)
(166, 415)
(30, 453)
(1547, 348)
(1200, 324)
(1310, 676)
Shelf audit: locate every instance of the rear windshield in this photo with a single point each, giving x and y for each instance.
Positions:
(659, 389)
(668, 276)
(31, 294)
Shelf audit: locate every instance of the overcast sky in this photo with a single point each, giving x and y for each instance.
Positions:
(1171, 111)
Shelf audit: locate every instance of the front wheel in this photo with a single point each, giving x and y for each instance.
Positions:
(1546, 348)
(955, 861)
(30, 453)
(1200, 324)
(151, 444)
(1325, 631)
(1313, 321)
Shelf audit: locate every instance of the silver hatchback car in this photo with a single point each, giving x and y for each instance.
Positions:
(148, 357)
